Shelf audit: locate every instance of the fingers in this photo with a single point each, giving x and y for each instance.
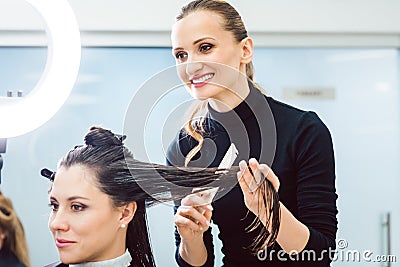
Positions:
(253, 174)
(258, 176)
(181, 221)
(208, 213)
(244, 177)
(190, 217)
(270, 175)
(250, 174)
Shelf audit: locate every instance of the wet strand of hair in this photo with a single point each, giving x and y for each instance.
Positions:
(182, 176)
(186, 178)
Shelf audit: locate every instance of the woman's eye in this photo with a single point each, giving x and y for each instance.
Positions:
(205, 47)
(180, 56)
(76, 207)
(53, 206)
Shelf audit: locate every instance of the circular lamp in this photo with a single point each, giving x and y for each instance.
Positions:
(24, 114)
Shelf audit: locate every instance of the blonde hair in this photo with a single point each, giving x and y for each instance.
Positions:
(15, 236)
(232, 23)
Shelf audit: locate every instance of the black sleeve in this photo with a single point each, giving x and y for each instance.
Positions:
(316, 193)
(176, 159)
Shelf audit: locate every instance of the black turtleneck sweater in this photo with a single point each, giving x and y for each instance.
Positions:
(298, 147)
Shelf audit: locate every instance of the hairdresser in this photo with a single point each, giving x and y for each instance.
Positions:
(290, 147)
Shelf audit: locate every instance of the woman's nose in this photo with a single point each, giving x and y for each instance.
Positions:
(193, 67)
(58, 221)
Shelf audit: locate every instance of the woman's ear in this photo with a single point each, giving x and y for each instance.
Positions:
(128, 211)
(247, 50)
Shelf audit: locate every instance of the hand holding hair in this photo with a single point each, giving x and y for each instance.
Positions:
(191, 222)
(260, 187)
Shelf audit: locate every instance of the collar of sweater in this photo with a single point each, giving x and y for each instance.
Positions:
(122, 261)
(246, 109)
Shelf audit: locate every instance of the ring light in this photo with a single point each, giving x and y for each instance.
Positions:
(21, 115)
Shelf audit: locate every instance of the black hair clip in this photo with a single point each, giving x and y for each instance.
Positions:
(48, 174)
(120, 137)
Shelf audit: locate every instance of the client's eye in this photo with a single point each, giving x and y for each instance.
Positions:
(77, 207)
(53, 206)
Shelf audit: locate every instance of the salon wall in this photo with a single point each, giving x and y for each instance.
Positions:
(271, 22)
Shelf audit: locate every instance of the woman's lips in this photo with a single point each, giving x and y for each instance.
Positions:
(201, 80)
(62, 243)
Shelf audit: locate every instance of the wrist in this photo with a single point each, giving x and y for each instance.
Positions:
(192, 242)
(193, 251)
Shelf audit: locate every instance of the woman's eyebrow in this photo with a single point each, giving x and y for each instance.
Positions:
(195, 42)
(202, 39)
(76, 197)
(72, 198)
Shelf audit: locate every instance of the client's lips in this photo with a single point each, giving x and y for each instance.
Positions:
(62, 243)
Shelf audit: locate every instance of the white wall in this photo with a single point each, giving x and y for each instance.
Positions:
(273, 23)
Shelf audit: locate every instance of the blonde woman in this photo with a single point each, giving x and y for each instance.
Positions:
(13, 247)
(214, 53)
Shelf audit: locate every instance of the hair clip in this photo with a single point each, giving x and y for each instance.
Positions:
(75, 147)
(120, 137)
(48, 174)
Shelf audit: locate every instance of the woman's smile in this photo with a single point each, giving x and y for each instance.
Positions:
(200, 80)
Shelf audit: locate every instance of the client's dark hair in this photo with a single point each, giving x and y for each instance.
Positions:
(125, 180)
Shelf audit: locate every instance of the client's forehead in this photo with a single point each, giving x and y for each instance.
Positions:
(77, 180)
